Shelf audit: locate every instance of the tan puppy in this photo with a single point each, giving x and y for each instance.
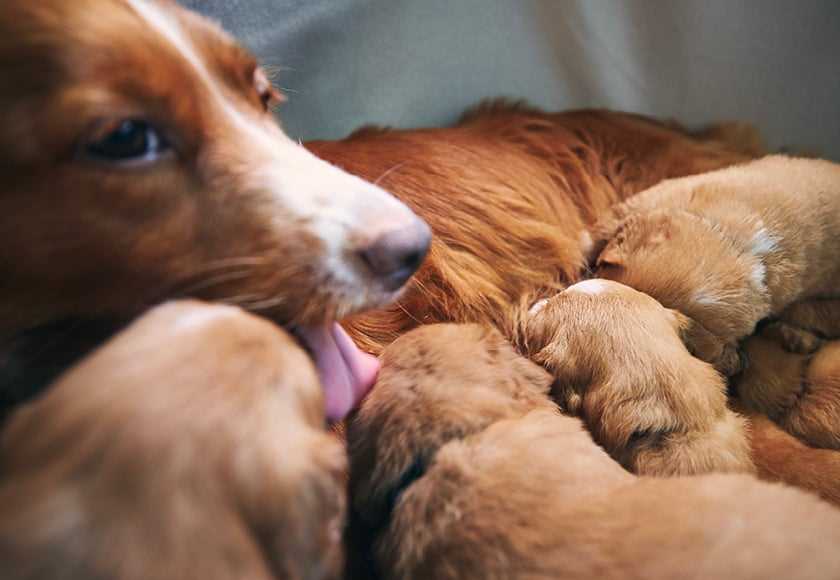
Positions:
(730, 247)
(205, 459)
(460, 478)
(620, 364)
(799, 392)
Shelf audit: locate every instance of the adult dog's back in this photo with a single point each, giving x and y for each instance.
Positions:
(509, 192)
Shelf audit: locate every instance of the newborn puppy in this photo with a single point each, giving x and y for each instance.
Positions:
(799, 392)
(206, 458)
(730, 247)
(620, 364)
(469, 472)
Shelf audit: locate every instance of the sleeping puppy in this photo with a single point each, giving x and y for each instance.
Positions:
(464, 468)
(730, 247)
(619, 363)
(203, 459)
(800, 392)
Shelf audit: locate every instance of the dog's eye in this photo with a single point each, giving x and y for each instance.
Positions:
(130, 141)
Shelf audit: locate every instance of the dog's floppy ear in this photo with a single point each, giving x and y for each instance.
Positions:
(707, 346)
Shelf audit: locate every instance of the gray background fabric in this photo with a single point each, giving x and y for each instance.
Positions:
(404, 63)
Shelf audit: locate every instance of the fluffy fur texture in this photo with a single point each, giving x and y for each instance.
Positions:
(510, 193)
(779, 456)
(141, 161)
(465, 469)
(206, 458)
(619, 363)
(800, 392)
(730, 247)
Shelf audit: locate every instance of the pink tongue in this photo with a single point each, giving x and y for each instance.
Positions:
(347, 373)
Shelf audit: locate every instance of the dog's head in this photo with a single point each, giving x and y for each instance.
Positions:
(141, 160)
(687, 263)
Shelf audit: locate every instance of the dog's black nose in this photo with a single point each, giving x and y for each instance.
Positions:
(395, 255)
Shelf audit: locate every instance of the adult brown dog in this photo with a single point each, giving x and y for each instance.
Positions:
(510, 193)
(141, 161)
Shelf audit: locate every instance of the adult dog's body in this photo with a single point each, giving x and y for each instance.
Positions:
(510, 193)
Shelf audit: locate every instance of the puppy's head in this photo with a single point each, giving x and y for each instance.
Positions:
(141, 160)
(143, 463)
(438, 383)
(688, 264)
(619, 361)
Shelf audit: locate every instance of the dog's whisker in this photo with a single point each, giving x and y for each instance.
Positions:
(388, 172)
(216, 281)
(409, 314)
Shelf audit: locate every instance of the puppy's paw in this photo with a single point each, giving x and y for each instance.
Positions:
(726, 357)
(792, 338)
(732, 361)
(721, 447)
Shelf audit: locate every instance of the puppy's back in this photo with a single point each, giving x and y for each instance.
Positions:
(536, 498)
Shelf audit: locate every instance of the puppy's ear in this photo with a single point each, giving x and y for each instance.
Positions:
(707, 346)
(611, 256)
(601, 234)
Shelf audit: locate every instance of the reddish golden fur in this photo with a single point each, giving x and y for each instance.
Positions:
(509, 193)
(618, 361)
(504, 487)
(779, 456)
(800, 392)
(203, 459)
(730, 247)
(233, 211)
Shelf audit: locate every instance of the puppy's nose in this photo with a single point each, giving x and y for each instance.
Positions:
(396, 254)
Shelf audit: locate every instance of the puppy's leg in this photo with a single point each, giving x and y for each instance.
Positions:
(722, 447)
(821, 317)
(801, 393)
(815, 416)
(773, 381)
(779, 456)
(793, 338)
(727, 358)
(687, 431)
